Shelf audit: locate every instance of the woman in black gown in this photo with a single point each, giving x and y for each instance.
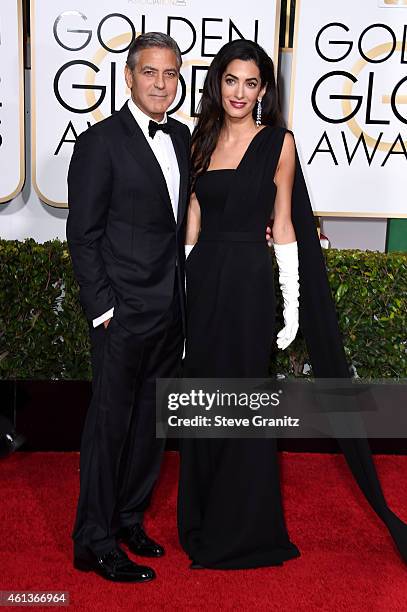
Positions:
(230, 511)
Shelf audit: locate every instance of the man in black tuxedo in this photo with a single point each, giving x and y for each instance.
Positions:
(128, 190)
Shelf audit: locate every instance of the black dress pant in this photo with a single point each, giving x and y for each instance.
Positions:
(120, 454)
(6, 426)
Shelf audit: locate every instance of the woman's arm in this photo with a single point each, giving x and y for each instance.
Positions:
(193, 221)
(283, 230)
(285, 242)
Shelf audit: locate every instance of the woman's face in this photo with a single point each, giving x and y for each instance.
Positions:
(240, 88)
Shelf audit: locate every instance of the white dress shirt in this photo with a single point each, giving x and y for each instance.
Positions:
(163, 150)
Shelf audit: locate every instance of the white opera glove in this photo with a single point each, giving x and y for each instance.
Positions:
(287, 261)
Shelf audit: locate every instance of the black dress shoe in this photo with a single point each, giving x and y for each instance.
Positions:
(10, 442)
(139, 543)
(114, 565)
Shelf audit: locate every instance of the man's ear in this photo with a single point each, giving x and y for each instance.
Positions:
(128, 75)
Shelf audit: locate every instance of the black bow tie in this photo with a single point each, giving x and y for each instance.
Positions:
(153, 127)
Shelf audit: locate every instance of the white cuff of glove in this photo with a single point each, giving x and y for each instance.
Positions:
(287, 261)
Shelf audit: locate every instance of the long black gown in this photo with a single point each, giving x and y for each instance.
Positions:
(230, 511)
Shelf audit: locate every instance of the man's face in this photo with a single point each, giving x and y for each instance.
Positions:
(154, 80)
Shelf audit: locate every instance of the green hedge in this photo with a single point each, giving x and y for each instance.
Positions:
(44, 335)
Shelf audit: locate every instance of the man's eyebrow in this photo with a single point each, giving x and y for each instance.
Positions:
(237, 78)
(156, 70)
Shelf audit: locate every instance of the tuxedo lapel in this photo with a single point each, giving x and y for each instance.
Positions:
(139, 148)
(180, 152)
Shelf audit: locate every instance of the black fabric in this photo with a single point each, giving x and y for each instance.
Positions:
(121, 232)
(127, 252)
(319, 325)
(230, 512)
(229, 506)
(154, 127)
(6, 426)
(120, 454)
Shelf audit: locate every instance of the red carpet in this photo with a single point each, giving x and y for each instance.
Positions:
(348, 560)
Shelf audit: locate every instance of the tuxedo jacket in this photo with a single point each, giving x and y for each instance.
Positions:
(127, 249)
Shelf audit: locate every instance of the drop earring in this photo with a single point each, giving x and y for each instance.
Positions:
(258, 118)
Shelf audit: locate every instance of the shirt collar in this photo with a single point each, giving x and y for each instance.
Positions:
(142, 119)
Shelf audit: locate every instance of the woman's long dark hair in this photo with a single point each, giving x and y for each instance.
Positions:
(211, 113)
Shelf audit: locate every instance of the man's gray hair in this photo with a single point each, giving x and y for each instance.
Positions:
(148, 40)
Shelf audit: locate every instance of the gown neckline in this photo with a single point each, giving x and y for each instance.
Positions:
(244, 154)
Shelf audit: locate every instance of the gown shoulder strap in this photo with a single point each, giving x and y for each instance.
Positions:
(273, 140)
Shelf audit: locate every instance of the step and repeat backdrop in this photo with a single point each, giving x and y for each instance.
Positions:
(347, 100)
(348, 106)
(78, 59)
(11, 100)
